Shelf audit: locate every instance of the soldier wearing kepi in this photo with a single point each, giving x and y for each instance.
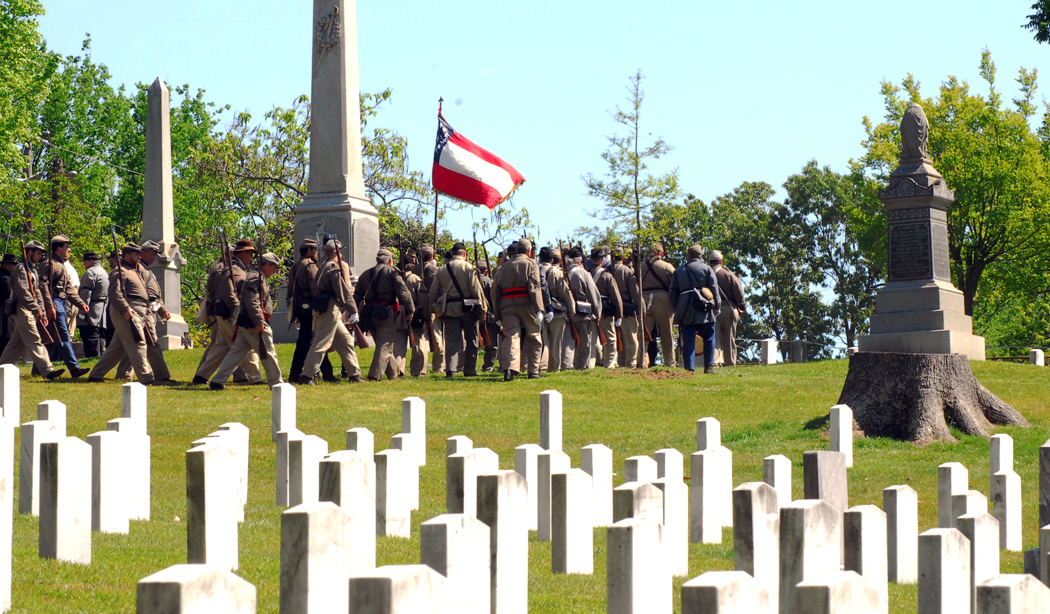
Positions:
(563, 307)
(384, 294)
(612, 305)
(58, 295)
(27, 310)
(154, 354)
(588, 308)
(458, 298)
(428, 270)
(332, 293)
(656, 277)
(694, 291)
(253, 326)
(627, 284)
(128, 304)
(731, 293)
(298, 300)
(421, 300)
(224, 287)
(518, 294)
(94, 291)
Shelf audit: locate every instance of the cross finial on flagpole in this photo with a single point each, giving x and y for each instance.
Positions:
(440, 100)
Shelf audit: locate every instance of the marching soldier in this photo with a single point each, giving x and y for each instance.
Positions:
(457, 297)
(612, 304)
(154, 354)
(129, 302)
(731, 291)
(428, 270)
(627, 285)
(298, 298)
(253, 326)
(333, 282)
(421, 300)
(94, 291)
(7, 266)
(384, 292)
(488, 363)
(659, 315)
(694, 292)
(518, 295)
(588, 308)
(58, 295)
(562, 305)
(26, 308)
(224, 286)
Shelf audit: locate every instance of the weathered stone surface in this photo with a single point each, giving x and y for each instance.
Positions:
(393, 514)
(195, 589)
(53, 412)
(983, 532)
(675, 510)
(547, 464)
(502, 498)
(347, 479)
(457, 547)
(461, 479)
(138, 471)
(776, 471)
(237, 439)
(864, 533)
(708, 434)
(840, 592)
(1006, 507)
(316, 558)
(1012, 594)
(901, 504)
(725, 592)
(952, 479)
(525, 464)
(824, 477)
(33, 435)
(707, 491)
(282, 407)
(756, 535)
(639, 469)
(458, 444)
(638, 500)
(7, 486)
(944, 572)
(284, 455)
(65, 501)
(970, 502)
(10, 399)
(810, 539)
(550, 420)
(597, 460)
(572, 537)
(398, 589)
(842, 432)
(109, 501)
(637, 581)
(211, 505)
(362, 441)
(1000, 454)
(304, 459)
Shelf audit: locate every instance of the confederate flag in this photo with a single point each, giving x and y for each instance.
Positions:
(465, 171)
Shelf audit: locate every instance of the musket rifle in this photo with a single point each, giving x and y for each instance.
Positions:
(358, 333)
(572, 323)
(136, 331)
(482, 324)
(45, 335)
(52, 328)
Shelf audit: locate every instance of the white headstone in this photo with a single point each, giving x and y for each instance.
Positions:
(212, 505)
(983, 532)
(838, 593)
(193, 589)
(461, 479)
(316, 558)
(638, 500)
(133, 404)
(675, 507)
(550, 420)
(547, 464)
(756, 535)
(9, 394)
(969, 502)
(776, 471)
(637, 581)
(952, 479)
(65, 501)
(769, 351)
(55, 413)
(824, 477)
(399, 589)
(137, 473)
(7, 485)
(32, 436)
(901, 504)
(457, 547)
(1006, 507)
(304, 461)
(109, 500)
(362, 441)
(393, 514)
(640, 469)
(725, 592)
(669, 464)
(1044, 555)
(810, 539)
(1001, 454)
(1012, 594)
(842, 431)
(284, 439)
(404, 442)
(347, 479)
(864, 532)
(572, 535)
(597, 460)
(1035, 357)
(708, 434)
(458, 444)
(707, 491)
(238, 438)
(525, 464)
(414, 423)
(502, 498)
(282, 404)
(944, 572)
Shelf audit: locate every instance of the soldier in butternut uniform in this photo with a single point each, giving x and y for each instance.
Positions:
(627, 284)
(330, 325)
(518, 297)
(491, 351)
(656, 275)
(154, 354)
(297, 301)
(128, 303)
(253, 326)
(588, 308)
(59, 297)
(421, 300)
(428, 271)
(224, 286)
(457, 293)
(562, 305)
(612, 305)
(384, 291)
(26, 308)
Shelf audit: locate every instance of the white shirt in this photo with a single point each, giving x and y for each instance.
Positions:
(74, 276)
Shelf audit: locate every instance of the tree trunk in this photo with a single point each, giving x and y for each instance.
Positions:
(915, 397)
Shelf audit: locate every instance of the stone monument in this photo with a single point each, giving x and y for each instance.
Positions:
(911, 377)
(335, 200)
(919, 311)
(158, 216)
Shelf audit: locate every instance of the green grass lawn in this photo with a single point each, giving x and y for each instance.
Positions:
(763, 411)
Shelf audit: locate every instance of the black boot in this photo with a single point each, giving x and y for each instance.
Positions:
(54, 374)
(508, 375)
(199, 380)
(216, 386)
(76, 372)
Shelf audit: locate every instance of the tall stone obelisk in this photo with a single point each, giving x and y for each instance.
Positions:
(335, 201)
(158, 215)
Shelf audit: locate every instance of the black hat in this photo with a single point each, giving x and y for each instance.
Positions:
(9, 259)
(458, 245)
(90, 256)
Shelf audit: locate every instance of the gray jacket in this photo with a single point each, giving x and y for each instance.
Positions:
(94, 290)
(693, 275)
(584, 291)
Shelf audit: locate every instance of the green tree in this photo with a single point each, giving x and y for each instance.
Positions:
(1039, 21)
(992, 159)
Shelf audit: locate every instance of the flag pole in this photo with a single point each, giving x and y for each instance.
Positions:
(440, 100)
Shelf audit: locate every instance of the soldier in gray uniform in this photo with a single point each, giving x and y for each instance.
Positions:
(94, 291)
(129, 302)
(26, 308)
(588, 308)
(384, 294)
(612, 305)
(253, 326)
(340, 308)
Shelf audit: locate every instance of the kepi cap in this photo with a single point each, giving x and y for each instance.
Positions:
(34, 244)
(714, 256)
(696, 251)
(308, 243)
(131, 247)
(270, 258)
(59, 240)
(150, 245)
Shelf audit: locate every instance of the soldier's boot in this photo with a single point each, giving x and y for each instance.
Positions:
(508, 375)
(216, 386)
(54, 373)
(306, 381)
(76, 372)
(709, 369)
(199, 380)
(357, 379)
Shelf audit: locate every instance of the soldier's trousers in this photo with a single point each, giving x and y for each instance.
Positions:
(438, 347)
(492, 349)
(247, 342)
(92, 337)
(607, 358)
(154, 355)
(63, 350)
(71, 318)
(303, 343)
(582, 358)
(514, 319)
(420, 350)
(568, 348)
(385, 334)
(396, 367)
(661, 316)
(461, 339)
(238, 374)
(25, 338)
(630, 357)
(222, 341)
(330, 332)
(124, 344)
(725, 331)
(553, 344)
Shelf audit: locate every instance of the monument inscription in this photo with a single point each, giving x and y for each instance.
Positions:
(910, 256)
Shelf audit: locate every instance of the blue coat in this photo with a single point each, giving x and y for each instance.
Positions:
(694, 274)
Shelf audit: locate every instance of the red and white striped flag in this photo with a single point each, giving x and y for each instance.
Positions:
(467, 172)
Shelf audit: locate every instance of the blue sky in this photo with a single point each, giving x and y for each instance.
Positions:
(743, 91)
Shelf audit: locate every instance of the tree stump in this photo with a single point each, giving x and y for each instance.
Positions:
(915, 397)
